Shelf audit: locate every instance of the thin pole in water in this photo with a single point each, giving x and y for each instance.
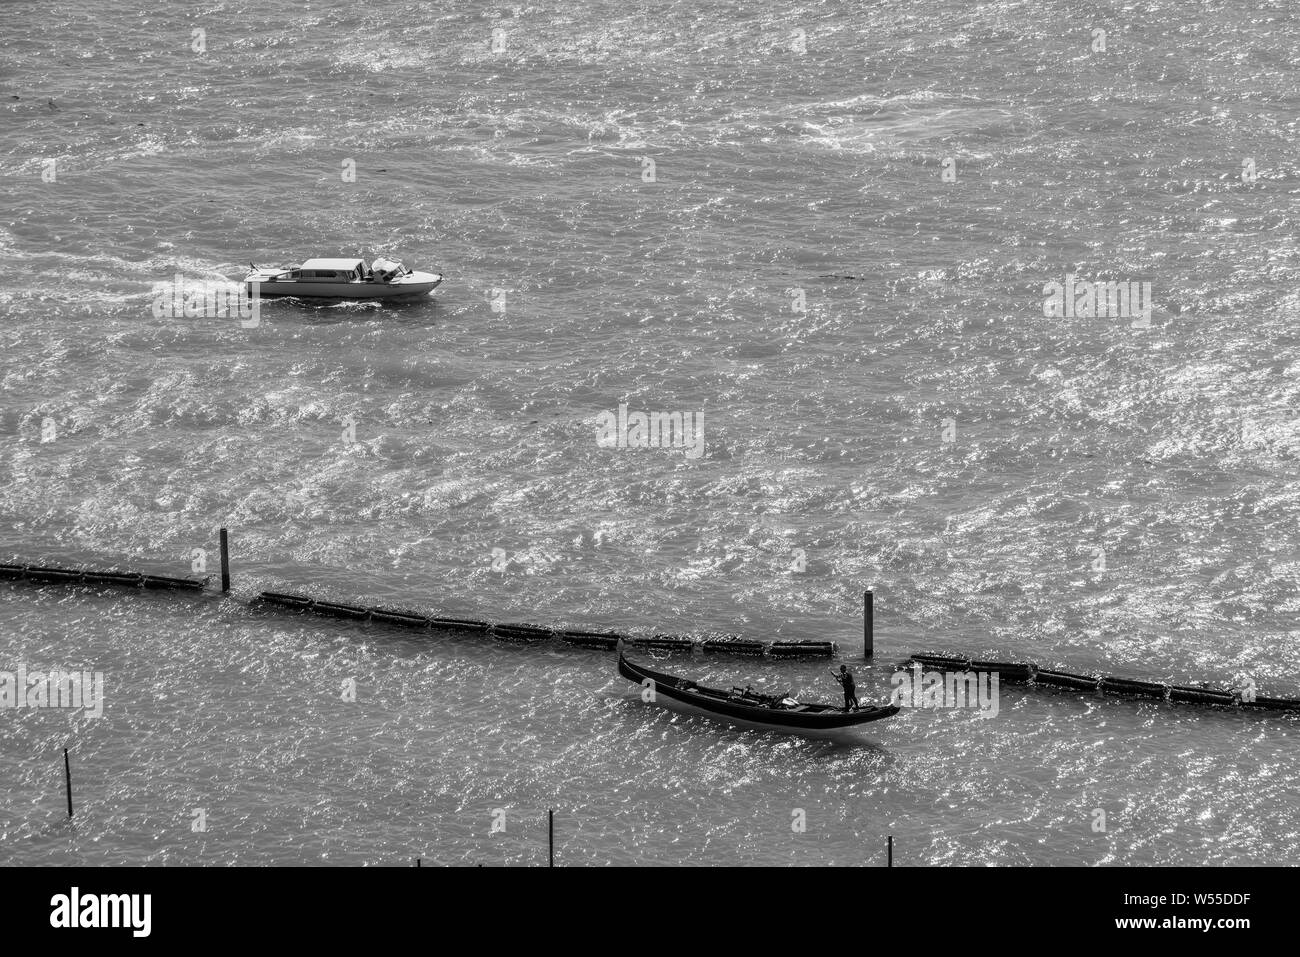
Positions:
(550, 833)
(67, 778)
(868, 624)
(891, 851)
(225, 562)
(417, 862)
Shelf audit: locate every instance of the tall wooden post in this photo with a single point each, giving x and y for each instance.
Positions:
(67, 779)
(550, 833)
(868, 624)
(225, 562)
(891, 851)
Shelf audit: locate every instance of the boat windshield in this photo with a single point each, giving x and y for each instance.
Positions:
(386, 270)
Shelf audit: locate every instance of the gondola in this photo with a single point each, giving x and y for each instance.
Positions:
(744, 706)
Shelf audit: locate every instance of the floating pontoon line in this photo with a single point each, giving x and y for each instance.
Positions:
(48, 575)
(530, 634)
(1031, 674)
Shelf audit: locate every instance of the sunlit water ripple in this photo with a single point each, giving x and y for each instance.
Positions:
(1173, 449)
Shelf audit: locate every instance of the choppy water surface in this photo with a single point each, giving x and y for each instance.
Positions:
(1169, 454)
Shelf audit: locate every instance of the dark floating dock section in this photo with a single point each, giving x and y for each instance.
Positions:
(534, 634)
(47, 575)
(604, 640)
(801, 649)
(1191, 695)
(523, 634)
(519, 633)
(1031, 674)
(1015, 673)
(1063, 679)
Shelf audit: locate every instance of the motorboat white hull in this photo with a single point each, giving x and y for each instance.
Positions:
(415, 284)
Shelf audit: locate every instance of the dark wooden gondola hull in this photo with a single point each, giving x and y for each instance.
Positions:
(714, 703)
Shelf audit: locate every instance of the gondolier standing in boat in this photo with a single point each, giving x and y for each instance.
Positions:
(845, 678)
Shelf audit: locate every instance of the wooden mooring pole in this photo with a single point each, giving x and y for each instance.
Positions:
(890, 860)
(868, 624)
(225, 562)
(67, 779)
(550, 833)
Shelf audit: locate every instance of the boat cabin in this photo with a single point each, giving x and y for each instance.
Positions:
(328, 270)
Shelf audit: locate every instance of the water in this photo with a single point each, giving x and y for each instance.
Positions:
(1167, 453)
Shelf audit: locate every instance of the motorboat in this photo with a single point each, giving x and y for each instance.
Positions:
(340, 279)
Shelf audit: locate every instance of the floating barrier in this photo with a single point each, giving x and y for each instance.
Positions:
(663, 643)
(285, 601)
(48, 575)
(1180, 694)
(335, 610)
(1006, 670)
(460, 624)
(36, 573)
(167, 582)
(605, 641)
(946, 662)
(1128, 686)
(399, 618)
(1024, 672)
(801, 649)
(531, 634)
(1273, 704)
(733, 646)
(504, 631)
(113, 578)
(1063, 679)
(522, 633)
